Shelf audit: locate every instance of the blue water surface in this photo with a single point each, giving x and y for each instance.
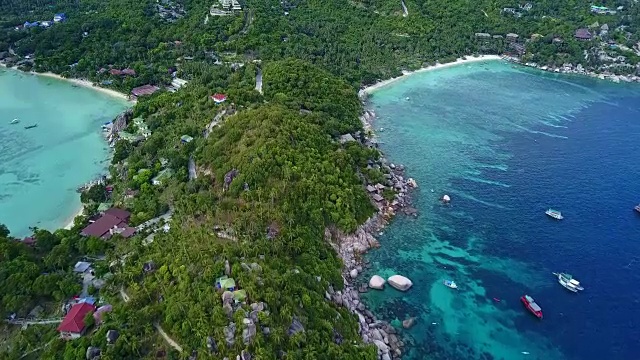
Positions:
(507, 143)
(40, 168)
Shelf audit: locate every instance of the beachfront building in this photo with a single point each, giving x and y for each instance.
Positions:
(143, 90)
(111, 222)
(73, 326)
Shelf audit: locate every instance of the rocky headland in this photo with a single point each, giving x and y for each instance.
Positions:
(352, 247)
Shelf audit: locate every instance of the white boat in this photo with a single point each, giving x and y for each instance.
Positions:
(554, 214)
(568, 282)
(450, 283)
(14, 121)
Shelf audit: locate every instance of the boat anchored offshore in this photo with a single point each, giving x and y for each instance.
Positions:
(531, 305)
(637, 208)
(569, 282)
(31, 126)
(554, 214)
(14, 121)
(450, 283)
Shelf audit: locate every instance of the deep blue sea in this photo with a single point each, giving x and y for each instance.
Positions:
(507, 143)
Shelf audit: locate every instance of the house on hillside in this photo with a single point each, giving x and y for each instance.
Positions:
(219, 98)
(186, 139)
(73, 326)
(59, 17)
(583, 34)
(162, 177)
(226, 283)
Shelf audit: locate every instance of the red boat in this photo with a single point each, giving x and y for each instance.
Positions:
(531, 305)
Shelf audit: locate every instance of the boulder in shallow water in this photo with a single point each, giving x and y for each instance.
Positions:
(376, 282)
(400, 282)
(408, 323)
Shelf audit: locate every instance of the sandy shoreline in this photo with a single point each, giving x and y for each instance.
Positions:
(79, 82)
(70, 222)
(466, 60)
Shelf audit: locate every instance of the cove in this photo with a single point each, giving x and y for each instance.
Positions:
(41, 167)
(507, 143)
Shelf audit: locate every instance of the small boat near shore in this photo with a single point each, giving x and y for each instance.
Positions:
(14, 121)
(554, 214)
(568, 282)
(450, 284)
(31, 126)
(531, 305)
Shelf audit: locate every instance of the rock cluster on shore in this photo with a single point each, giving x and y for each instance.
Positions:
(351, 247)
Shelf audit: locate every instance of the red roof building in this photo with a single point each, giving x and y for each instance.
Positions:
(72, 327)
(129, 72)
(144, 90)
(123, 215)
(219, 98)
(113, 221)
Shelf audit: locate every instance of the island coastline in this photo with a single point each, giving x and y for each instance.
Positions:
(405, 74)
(78, 82)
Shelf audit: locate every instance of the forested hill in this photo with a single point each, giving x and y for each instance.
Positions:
(360, 41)
(251, 185)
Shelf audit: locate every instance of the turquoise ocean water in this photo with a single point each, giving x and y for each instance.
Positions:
(506, 143)
(40, 168)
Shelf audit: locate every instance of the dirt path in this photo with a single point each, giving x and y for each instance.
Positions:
(164, 335)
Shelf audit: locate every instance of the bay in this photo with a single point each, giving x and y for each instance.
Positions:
(507, 143)
(40, 168)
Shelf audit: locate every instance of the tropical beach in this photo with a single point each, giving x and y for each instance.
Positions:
(78, 82)
(466, 60)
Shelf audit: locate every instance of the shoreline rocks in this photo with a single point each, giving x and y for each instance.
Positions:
(400, 282)
(377, 282)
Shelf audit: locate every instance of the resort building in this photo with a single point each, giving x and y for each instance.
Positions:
(73, 326)
(144, 90)
(228, 7)
(111, 222)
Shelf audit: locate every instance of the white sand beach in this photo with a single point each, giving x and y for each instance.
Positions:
(466, 60)
(70, 222)
(86, 84)
(79, 82)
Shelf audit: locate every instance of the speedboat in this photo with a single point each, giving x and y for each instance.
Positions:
(554, 214)
(637, 208)
(569, 282)
(450, 283)
(14, 121)
(531, 305)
